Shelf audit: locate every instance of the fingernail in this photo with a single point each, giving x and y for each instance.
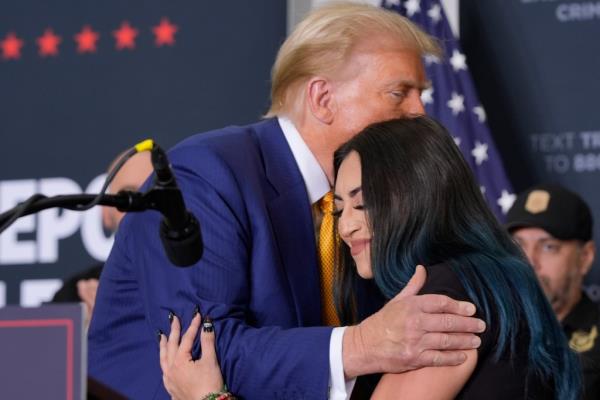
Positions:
(159, 334)
(171, 315)
(476, 342)
(470, 308)
(207, 325)
(481, 326)
(196, 311)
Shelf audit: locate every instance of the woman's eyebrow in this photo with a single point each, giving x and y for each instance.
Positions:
(355, 191)
(351, 193)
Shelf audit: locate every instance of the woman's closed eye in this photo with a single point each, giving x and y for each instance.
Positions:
(337, 212)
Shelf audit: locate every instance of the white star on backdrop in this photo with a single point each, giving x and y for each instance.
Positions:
(412, 7)
(451, 97)
(480, 112)
(435, 13)
(427, 96)
(482, 189)
(456, 103)
(480, 152)
(506, 201)
(458, 61)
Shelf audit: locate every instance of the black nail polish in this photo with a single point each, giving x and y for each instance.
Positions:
(171, 315)
(196, 311)
(207, 325)
(159, 334)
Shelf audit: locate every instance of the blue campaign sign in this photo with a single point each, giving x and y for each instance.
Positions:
(80, 81)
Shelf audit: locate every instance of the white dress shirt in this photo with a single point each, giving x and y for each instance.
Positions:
(317, 185)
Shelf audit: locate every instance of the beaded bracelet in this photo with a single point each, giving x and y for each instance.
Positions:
(223, 394)
(219, 396)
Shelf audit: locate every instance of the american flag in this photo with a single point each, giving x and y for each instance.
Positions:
(452, 100)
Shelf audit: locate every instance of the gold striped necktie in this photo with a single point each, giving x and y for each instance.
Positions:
(327, 243)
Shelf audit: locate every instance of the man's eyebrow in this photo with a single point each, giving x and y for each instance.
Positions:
(410, 83)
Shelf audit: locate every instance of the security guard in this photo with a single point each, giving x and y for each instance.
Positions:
(553, 226)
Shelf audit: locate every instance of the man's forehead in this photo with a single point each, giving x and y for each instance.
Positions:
(532, 233)
(388, 64)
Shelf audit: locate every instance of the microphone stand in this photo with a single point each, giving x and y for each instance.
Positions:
(125, 201)
(159, 198)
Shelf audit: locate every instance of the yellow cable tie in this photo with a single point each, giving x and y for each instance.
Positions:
(145, 145)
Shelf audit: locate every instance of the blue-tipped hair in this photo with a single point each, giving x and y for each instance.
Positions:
(424, 207)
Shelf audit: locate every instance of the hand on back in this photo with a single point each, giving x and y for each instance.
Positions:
(412, 331)
(183, 377)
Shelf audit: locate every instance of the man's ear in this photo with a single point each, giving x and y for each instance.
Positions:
(320, 99)
(588, 253)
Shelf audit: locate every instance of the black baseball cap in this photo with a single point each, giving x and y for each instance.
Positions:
(558, 211)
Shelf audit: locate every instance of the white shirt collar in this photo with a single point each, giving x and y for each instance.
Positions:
(314, 177)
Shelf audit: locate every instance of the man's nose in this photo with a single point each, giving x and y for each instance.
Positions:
(413, 104)
(533, 259)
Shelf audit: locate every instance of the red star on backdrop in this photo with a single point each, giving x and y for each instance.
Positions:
(11, 47)
(86, 40)
(125, 36)
(164, 33)
(48, 43)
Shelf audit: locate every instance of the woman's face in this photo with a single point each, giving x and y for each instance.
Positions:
(352, 217)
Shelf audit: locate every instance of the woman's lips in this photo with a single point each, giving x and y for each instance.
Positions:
(357, 246)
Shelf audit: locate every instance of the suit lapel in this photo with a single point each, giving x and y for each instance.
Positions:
(291, 220)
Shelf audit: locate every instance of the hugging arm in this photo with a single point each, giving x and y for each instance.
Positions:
(431, 383)
(184, 377)
(412, 331)
(258, 360)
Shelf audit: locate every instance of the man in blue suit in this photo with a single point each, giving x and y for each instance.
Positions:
(252, 189)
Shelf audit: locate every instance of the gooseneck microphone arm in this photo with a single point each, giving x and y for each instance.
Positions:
(123, 201)
(179, 229)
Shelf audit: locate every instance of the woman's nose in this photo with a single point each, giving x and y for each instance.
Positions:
(346, 226)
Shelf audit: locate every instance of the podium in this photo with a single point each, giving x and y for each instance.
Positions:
(43, 352)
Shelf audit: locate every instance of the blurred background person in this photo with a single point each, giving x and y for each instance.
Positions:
(554, 228)
(83, 286)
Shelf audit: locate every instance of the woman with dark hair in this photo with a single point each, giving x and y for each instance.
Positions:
(419, 204)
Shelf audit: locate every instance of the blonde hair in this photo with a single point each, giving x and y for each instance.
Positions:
(323, 41)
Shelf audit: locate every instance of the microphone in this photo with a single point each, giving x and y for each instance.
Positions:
(179, 229)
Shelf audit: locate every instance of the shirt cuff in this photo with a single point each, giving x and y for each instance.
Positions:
(339, 387)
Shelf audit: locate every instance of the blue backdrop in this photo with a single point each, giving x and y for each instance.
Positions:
(536, 64)
(81, 80)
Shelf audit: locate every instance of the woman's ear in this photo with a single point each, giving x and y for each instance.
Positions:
(320, 99)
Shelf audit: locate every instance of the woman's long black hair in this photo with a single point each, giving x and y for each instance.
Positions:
(424, 207)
